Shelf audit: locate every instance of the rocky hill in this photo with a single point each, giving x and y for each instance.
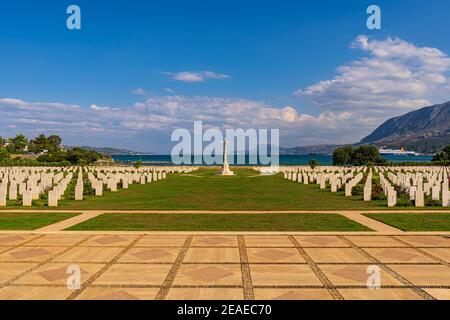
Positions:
(426, 130)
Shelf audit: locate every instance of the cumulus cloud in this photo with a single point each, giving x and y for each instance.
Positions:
(395, 77)
(164, 114)
(196, 76)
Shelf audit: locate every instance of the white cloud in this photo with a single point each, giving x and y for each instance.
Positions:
(396, 77)
(163, 114)
(196, 76)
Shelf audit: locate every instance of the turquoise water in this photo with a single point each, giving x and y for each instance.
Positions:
(284, 160)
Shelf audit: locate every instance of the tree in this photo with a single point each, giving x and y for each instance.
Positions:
(54, 143)
(137, 164)
(444, 155)
(41, 143)
(365, 155)
(4, 154)
(313, 163)
(76, 156)
(360, 156)
(342, 156)
(18, 143)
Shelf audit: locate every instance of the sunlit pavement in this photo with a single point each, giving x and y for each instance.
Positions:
(221, 266)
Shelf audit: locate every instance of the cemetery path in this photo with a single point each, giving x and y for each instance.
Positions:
(357, 216)
(62, 225)
(370, 223)
(189, 266)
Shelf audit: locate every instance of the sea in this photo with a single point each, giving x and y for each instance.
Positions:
(285, 160)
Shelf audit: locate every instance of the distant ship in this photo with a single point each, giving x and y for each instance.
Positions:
(398, 152)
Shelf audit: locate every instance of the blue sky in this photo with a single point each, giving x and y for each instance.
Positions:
(134, 60)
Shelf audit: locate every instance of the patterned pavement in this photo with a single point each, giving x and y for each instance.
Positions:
(218, 266)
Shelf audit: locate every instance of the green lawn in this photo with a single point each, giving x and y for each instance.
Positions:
(30, 221)
(415, 221)
(206, 190)
(220, 222)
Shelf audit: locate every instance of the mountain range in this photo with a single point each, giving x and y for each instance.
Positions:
(111, 151)
(426, 130)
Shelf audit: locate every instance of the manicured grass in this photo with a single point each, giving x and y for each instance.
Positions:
(415, 221)
(30, 221)
(220, 222)
(206, 190)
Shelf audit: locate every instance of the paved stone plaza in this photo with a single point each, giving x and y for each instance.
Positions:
(119, 265)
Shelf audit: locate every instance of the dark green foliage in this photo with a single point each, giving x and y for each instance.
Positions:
(76, 156)
(4, 154)
(313, 163)
(359, 156)
(17, 144)
(444, 155)
(42, 143)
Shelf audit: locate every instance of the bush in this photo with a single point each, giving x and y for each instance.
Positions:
(359, 156)
(4, 154)
(76, 156)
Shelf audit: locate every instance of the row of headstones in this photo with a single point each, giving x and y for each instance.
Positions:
(32, 182)
(29, 185)
(388, 190)
(112, 177)
(338, 177)
(414, 182)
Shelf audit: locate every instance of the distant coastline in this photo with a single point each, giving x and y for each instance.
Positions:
(285, 160)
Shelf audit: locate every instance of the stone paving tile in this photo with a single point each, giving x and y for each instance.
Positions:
(39, 254)
(274, 255)
(205, 294)
(396, 255)
(89, 254)
(150, 255)
(422, 275)
(215, 241)
(10, 270)
(118, 294)
(375, 241)
(426, 241)
(210, 266)
(267, 241)
(134, 274)
(5, 249)
(379, 294)
(58, 240)
(34, 293)
(355, 275)
(442, 253)
(162, 241)
(321, 241)
(292, 294)
(283, 275)
(335, 255)
(56, 273)
(110, 240)
(209, 274)
(440, 294)
(15, 240)
(213, 255)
